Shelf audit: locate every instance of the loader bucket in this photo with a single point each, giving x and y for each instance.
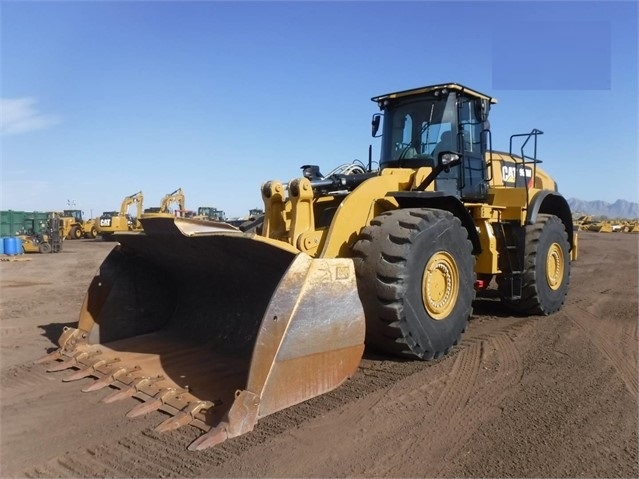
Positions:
(216, 327)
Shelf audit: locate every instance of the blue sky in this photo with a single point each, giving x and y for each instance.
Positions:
(103, 99)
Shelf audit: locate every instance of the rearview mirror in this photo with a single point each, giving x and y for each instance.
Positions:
(377, 118)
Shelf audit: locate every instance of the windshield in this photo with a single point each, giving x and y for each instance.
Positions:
(416, 131)
(74, 213)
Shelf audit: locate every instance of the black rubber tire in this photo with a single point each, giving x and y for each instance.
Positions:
(44, 248)
(546, 273)
(92, 234)
(391, 257)
(75, 233)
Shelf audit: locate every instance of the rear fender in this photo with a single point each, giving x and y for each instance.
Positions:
(552, 203)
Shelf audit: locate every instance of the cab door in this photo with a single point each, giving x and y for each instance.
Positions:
(474, 184)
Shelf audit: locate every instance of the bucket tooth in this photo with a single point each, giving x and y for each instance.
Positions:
(145, 408)
(156, 403)
(57, 354)
(90, 370)
(71, 341)
(71, 362)
(110, 377)
(131, 390)
(240, 419)
(185, 416)
(212, 438)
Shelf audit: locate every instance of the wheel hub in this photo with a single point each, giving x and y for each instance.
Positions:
(440, 285)
(555, 266)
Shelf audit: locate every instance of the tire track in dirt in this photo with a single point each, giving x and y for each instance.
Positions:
(601, 312)
(69, 466)
(478, 381)
(488, 395)
(618, 342)
(142, 454)
(80, 431)
(23, 378)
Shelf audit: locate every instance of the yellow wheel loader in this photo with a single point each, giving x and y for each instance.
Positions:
(115, 222)
(209, 213)
(220, 327)
(76, 227)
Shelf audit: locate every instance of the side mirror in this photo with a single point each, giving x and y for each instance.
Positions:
(377, 118)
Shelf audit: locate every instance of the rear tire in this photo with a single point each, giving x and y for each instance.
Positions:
(415, 275)
(75, 233)
(546, 268)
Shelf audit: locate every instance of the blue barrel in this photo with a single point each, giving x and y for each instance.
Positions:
(1, 245)
(11, 246)
(19, 245)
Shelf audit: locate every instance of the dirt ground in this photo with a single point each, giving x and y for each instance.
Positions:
(519, 397)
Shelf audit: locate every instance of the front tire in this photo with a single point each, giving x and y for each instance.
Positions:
(44, 248)
(75, 233)
(546, 272)
(415, 274)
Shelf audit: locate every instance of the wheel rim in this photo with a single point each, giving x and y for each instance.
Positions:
(440, 285)
(555, 266)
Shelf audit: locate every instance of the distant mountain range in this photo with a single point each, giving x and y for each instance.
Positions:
(618, 209)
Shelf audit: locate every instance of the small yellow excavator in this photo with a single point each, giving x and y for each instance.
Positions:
(220, 327)
(112, 222)
(163, 211)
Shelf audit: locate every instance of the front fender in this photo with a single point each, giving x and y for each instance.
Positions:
(437, 200)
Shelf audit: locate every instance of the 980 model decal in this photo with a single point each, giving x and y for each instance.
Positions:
(513, 174)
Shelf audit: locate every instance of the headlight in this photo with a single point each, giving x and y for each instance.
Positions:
(448, 158)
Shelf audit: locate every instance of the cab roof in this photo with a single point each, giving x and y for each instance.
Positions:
(428, 89)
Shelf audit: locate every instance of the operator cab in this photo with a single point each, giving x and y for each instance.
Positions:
(211, 213)
(75, 214)
(423, 123)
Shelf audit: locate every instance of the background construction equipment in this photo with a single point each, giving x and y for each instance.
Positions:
(175, 197)
(113, 221)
